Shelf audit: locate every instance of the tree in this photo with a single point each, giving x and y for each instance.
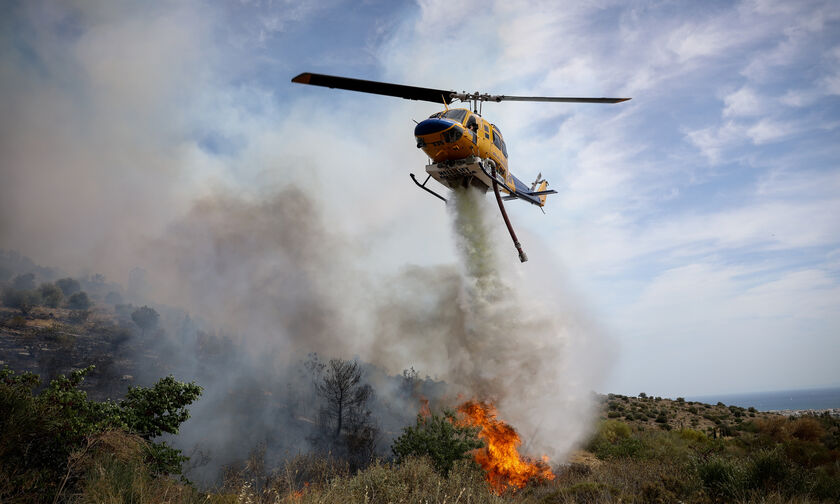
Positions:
(23, 300)
(68, 286)
(24, 282)
(346, 422)
(51, 295)
(79, 301)
(113, 297)
(146, 318)
(438, 437)
(343, 391)
(39, 431)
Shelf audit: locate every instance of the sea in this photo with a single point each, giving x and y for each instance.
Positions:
(805, 399)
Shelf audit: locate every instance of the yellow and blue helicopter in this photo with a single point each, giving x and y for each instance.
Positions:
(464, 148)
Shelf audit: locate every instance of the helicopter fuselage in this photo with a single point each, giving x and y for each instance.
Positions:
(457, 134)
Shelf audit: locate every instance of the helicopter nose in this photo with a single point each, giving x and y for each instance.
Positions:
(429, 126)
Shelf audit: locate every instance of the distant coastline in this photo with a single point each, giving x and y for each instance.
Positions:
(783, 401)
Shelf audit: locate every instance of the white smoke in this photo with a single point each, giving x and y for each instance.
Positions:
(494, 332)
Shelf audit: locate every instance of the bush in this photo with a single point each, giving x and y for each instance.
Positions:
(24, 282)
(146, 318)
(39, 432)
(723, 479)
(78, 301)
(23, 300)
(68, 286)
(613, 430)
(51, 296)
(768, 469)
(613, 440)
(806, 429)
(438, 437)
(692, 435)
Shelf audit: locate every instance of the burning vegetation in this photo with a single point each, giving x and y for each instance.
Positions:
(500, 458)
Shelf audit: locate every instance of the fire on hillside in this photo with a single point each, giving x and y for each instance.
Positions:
(506, 469)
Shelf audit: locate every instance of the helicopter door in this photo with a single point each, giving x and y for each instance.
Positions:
(472, 127)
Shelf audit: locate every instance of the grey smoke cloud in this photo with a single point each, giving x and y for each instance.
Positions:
(271, 274)
(496, 331)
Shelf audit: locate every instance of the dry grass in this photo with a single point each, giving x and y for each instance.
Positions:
(413, 481)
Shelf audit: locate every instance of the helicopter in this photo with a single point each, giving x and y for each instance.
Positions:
(464, 148)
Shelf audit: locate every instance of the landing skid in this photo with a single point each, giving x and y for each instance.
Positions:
(423, 186)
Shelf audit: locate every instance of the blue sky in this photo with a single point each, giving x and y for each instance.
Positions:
(697, 224)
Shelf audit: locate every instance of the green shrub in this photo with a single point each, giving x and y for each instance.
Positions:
(767, 470)
(78, 301)
(39, 432)
(613, 440)
(826, 483)
(693, 435)
(438, 437)
(23, 300)
(51, 295)
(68, 286)
(723, 479)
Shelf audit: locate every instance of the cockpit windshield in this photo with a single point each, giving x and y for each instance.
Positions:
(456, 115)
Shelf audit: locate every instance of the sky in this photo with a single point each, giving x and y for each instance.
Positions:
(697, 224)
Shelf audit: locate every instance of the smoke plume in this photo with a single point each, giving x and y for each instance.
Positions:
(493, 333)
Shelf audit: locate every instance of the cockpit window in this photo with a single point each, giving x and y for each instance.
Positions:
(436, 114)
(456, 115)
(499, 141)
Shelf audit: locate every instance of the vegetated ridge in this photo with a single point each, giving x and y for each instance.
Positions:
(643, 449)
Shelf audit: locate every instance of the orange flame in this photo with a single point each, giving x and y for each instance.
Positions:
(297, 494)
(500, 458)
(425, 410)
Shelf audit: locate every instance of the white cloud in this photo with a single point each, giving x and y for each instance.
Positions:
(744, 102)
(768, 130)
(712, 141)
(800, 97)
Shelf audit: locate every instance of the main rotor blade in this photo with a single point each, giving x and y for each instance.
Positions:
(498, 98)
(380, 88)
(557, 99)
